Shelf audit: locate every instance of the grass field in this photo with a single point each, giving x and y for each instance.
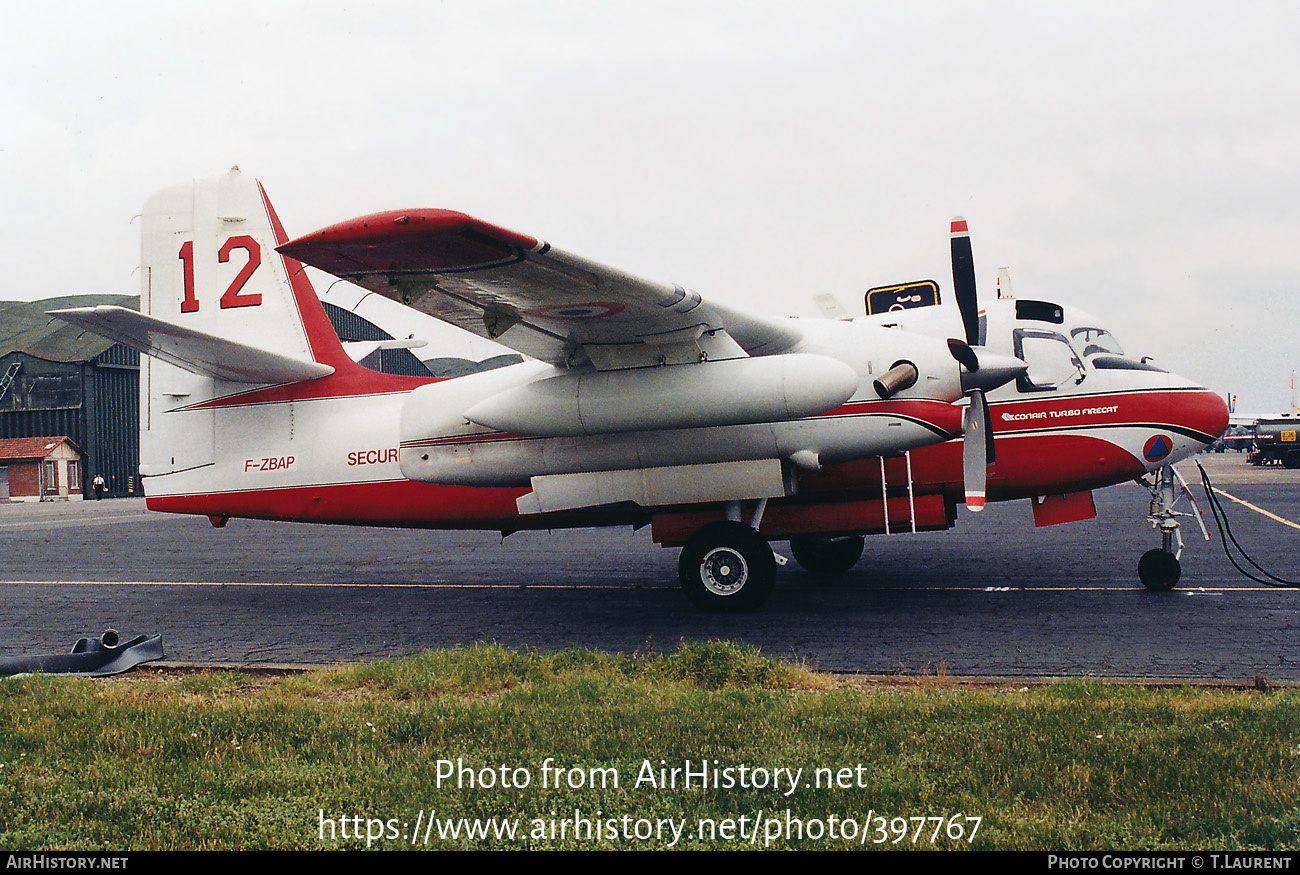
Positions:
(709, 746)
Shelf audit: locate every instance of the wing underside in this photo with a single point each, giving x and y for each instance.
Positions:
(519, 291)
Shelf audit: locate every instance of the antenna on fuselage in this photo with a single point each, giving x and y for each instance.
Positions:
(1004, 284)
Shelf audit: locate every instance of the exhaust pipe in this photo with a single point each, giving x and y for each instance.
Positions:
(900, 377)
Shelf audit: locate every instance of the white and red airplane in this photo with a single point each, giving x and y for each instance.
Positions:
(638, 402)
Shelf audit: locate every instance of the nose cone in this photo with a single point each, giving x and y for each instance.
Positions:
(1207, 413)
(1195, 417)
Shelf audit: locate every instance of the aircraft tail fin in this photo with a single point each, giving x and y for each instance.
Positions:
(220, 312)
(210, 268)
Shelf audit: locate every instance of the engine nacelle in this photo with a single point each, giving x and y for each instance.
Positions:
(811, 408)
(740, 391)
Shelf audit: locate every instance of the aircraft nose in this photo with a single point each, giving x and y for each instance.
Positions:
(1207, 413)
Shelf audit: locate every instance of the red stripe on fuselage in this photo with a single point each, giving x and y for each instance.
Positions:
(401, 503)
(320, 390)
(1041, 454)
(1027, 465)
(939, 415)
(1188, 410)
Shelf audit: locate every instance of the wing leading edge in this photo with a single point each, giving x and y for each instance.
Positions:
(538, 300)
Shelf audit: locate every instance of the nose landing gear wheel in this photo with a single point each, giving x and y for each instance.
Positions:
(1159, 570)
(727, 566)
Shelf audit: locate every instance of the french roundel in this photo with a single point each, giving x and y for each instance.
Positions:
(1157, 448)
(589, 310)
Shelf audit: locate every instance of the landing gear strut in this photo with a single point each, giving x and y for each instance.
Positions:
(1159, 569)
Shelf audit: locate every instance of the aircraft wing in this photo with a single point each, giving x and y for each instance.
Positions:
(194, 351)
(538, 300)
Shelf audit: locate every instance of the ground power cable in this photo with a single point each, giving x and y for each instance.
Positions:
(1226, 536)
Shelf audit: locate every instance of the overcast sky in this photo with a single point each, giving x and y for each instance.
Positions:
(1138, 160)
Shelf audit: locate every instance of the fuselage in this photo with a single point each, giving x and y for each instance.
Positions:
(399, 451)
(1083, 417)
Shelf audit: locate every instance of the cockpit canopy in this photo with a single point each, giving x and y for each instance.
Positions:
(1062, 345)
(1095, 341)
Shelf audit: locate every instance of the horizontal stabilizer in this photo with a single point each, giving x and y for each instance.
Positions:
(194, 351)
(359, 349)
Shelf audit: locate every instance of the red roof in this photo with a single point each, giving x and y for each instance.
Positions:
(19, 449)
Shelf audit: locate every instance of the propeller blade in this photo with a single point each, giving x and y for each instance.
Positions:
(963, 280)
(977, 451)
(981, 370)
(964, 354)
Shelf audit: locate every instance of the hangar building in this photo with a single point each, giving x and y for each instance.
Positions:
(57, 381)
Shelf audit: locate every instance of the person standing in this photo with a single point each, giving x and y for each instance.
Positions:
(98, 483)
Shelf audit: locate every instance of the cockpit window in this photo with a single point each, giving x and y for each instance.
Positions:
(1052, 361)
(1096, 341)
(1039, 311)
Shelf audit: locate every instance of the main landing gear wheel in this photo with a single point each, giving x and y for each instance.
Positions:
(822, 555)
(1159, 570)
(727, 566)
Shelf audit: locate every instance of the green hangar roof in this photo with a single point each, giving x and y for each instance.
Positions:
(25, 327)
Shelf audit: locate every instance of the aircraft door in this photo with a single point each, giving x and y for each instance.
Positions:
(1052, 361)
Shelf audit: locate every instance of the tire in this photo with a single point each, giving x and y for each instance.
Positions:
(727, 567)
(822, 555)
(1159, 570)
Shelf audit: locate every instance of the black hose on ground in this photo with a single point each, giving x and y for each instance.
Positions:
(1226, 536)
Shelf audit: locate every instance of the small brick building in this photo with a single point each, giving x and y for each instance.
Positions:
(40, 469)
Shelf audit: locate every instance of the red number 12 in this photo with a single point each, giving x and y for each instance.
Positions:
(232, 296)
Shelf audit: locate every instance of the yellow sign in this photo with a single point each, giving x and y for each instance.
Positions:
(1288, 436)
